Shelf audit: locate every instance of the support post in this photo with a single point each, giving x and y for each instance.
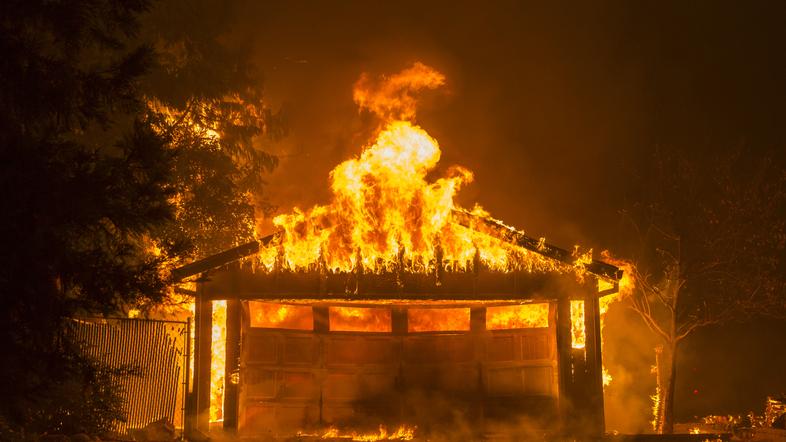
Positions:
(400, 328)
(321, 319)
(594, 360)
(564, 363)
(203, 332)
(477, 327)
(477, 320)
(187, 411)
(400, 324)
(232, 365)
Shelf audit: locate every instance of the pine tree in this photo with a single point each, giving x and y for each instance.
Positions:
(85, 180)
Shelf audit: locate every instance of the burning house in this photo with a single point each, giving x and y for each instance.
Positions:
(391, 312)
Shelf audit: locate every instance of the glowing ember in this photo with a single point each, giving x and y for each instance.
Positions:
(217, 362)
(269, 315)
(403, 432)
(437, 319)
(655, 398)
(517, 316)
(360, 319)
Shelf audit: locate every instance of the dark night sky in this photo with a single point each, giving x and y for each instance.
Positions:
(551, 106)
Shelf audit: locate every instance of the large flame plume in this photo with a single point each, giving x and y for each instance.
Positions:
(393, 98)
(385, 210)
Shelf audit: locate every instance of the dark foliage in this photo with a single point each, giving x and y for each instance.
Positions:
(125, 127)
(88, 400)
(206, 101)
(711, 236)
(84, 178)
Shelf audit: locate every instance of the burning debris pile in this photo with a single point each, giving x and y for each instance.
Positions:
(775, 411)
(401, 433)
(771, 426)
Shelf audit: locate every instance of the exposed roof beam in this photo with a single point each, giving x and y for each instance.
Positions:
(518, 238)
(463, 218)
(221, 259)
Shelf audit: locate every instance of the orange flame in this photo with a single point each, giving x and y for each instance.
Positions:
(269, 315)
(517, 316)
(577, 335)
(382, 205)
(361, 319)
(438, 319)
(392, 97)
(217, 361)
(385, 211)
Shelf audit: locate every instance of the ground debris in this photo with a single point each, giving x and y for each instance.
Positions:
(159, 431)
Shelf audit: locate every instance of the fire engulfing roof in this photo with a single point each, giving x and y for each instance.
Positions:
(503, 232)
(387, 215)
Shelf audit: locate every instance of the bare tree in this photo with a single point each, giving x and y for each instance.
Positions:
(711, 236)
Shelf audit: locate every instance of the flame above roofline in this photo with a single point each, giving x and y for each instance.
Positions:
(462, 217)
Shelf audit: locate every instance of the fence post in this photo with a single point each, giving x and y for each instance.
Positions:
(185, 417)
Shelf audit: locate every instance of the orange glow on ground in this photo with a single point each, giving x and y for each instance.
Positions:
(403, 432)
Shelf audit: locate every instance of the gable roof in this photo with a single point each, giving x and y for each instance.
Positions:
(501, 231)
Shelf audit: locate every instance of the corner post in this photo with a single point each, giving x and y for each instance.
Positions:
(232, 365)
(203, 343)
(477, 327)
(594, 358)
(564, 363)
(232, 361)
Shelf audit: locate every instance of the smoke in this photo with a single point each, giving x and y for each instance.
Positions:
(628, 355)
(393, 97)
(441, 417)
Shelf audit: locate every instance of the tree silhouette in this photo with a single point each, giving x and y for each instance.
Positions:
(205, 99)
(711, 236)
(131, 136)
(83, 179)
